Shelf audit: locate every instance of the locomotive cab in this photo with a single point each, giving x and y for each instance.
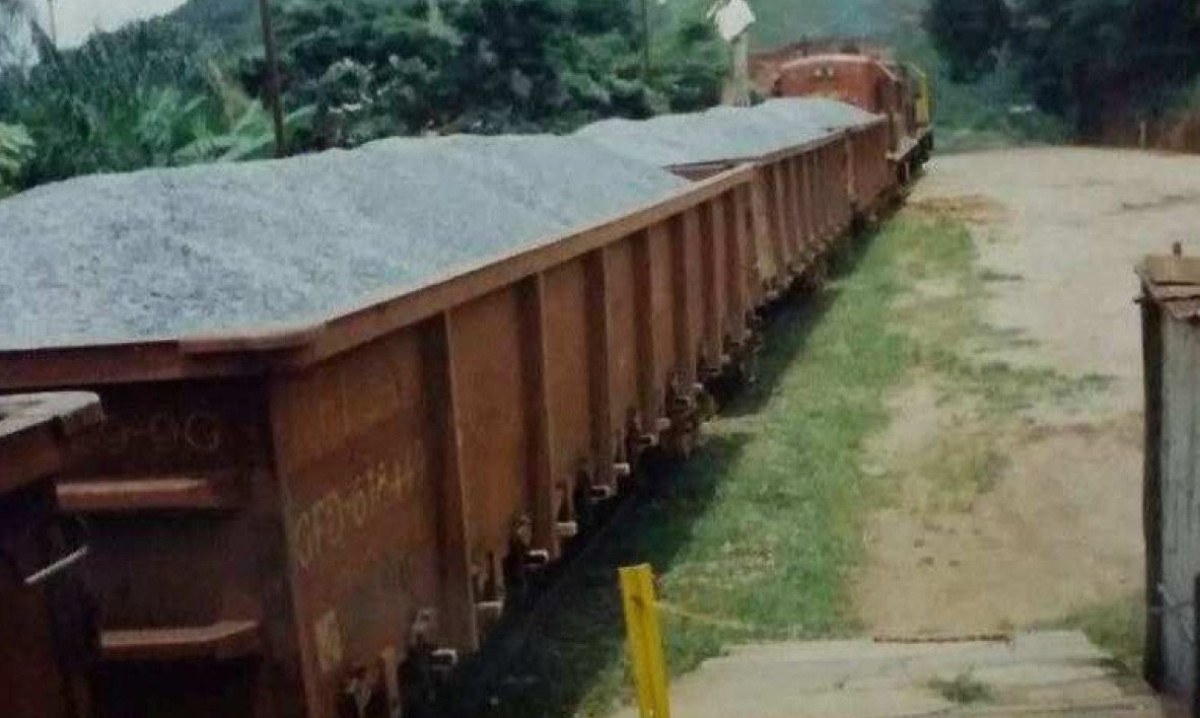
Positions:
(898, 92)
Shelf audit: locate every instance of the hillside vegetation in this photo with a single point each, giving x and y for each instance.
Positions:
(187, 88)
(1099, 65)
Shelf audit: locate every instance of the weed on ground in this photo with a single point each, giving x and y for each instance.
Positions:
(963, 689)
(1117, 626)
(943, 311)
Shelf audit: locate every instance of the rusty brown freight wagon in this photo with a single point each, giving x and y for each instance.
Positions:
(871, 178)
(355, 397)
(818, 164)
(47, 635)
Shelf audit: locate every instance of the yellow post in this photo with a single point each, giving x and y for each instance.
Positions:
(645, 641)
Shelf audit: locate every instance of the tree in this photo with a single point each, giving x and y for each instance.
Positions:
(969, 34)
(166, 93)
(1086, 61)
(373, 69)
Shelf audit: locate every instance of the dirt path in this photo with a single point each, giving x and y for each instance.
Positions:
(1051, 522)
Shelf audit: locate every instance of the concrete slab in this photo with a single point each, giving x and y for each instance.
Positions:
(1035, 674)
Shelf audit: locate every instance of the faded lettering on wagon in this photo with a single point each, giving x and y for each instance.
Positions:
(333, 519)
(163, 432)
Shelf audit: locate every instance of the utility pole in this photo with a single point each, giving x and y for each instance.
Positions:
(740, 80)
(646, 40)
(53, 22)
(272, 80)
(435, 14)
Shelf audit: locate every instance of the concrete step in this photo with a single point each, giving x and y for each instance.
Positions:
(1127, 708)
(1036, 674)
(1046, 645)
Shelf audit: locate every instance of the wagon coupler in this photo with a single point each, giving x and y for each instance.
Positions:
(425, 668)
(684, 406)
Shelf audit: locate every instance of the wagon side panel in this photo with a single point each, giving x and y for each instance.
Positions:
(360, 460)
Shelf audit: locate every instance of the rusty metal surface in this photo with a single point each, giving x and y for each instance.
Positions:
(186, 543)
(36, 432)
(870, 83)
(356, 445)
(34, 680)
(48, 635)
(856, 80)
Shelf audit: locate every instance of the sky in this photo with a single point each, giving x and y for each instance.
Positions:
(79, 18)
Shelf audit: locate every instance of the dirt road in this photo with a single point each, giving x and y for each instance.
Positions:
(1052, 525)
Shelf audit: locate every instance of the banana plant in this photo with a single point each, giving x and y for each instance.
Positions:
(16, 148)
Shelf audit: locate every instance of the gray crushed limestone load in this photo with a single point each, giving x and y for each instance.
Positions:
(563, 177)
(660, 142)
(761, 133)
(821, 111)
(213, 248)
(717, 135)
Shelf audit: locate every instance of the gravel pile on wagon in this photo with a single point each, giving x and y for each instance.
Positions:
(165, 253)
(820, 111)
(717, 135)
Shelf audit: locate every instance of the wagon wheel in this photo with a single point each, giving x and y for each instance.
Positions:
(685, 445)
(819, 275)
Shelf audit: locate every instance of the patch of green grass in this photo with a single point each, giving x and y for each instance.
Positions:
(961, 466)
(963, 689)
(1004, 388)
(756, 536)
(1000, 338)
(991, 275)
(1118, 627)
(941, 248)
(955, 343)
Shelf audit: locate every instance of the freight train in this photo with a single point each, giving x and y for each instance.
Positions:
(356, 401)
(858, 73)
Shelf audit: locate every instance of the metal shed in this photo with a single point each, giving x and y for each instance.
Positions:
(1170, 305)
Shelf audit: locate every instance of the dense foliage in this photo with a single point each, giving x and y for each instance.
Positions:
(374, 69)
(968, 34)
(1083, 60)
(188, 88)
(149, 95)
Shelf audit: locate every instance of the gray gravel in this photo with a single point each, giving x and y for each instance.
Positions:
(165, 253)
(725, 133)
(821, 111)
